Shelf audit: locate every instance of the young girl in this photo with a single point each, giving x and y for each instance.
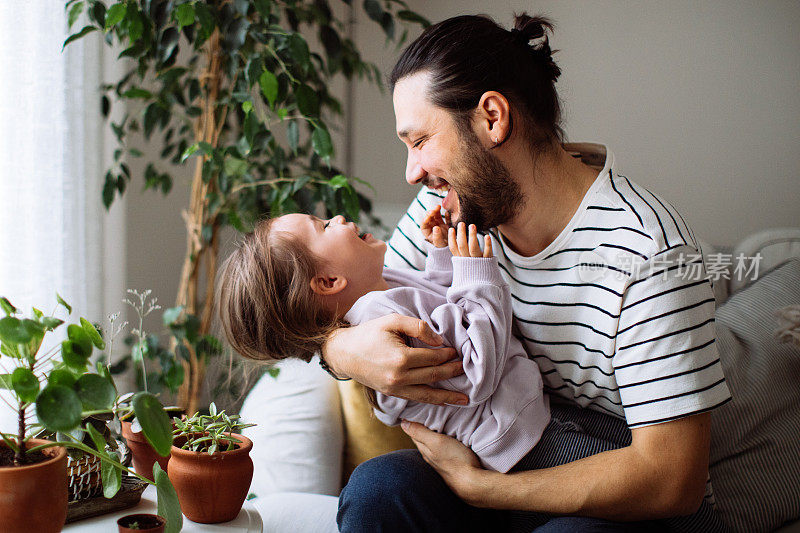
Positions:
(297, 278)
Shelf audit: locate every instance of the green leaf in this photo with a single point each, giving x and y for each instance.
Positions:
(155, 422)
(61, 377)
(247, 106)
(172, 315)
(7, 307)
(263, 7)
(61, 301)
(269, 86)
(25, 384)
(168, 505)
(93, 334)
(110, 475)
(73, 357)
(82, 342)
(307, 101)
(411, 16)
(337, 182)
(321, 142)
(95, 392)
(373, 9)
(86, 30)
(135, 24)
(206, 19)
(115, 14)
(5, 381)
(98, 13)
(137, 92)
(184, 15)
(51, 323)
(16, 331)
(58, 408)
(298, 48)
(293, 135)
(74, 12)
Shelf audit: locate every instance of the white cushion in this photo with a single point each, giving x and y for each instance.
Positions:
(297, 444)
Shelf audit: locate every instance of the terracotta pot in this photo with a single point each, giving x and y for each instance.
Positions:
(34, 497)
(147, 523)
(211, 488)
(144, 456)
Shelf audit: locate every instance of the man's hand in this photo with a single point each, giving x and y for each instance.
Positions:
(660, 475)
(434, 228)
(457, 464)
(374, 354)
(463, 245)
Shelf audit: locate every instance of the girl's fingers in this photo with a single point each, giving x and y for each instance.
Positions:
(451, 241)
(461, 239)
(487, 246)
(438, 237)
(474, 247)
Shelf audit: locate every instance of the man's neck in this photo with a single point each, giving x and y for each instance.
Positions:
(553, 186)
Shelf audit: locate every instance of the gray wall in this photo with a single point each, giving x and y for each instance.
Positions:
(697, 99)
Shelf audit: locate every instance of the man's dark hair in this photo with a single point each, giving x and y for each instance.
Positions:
(471, 54)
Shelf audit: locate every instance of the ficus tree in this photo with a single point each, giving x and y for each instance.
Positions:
(235, 88)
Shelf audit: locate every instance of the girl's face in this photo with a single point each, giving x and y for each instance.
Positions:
(357, 258)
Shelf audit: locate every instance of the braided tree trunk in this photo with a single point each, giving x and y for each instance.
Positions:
(207, 129)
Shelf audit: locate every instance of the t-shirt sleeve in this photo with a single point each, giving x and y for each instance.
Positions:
(666, 361)
(406, 248)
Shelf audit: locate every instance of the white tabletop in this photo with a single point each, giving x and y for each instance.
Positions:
(248, 521)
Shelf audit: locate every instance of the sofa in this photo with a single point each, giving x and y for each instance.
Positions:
(312, 431)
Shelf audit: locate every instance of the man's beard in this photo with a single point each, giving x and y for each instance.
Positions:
(487, 196)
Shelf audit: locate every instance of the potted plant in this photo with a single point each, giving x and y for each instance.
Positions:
(236, 87)
(211, 468)
(64, 392)
(141, 523)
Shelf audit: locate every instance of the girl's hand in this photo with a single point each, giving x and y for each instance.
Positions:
(434, 228)
(462, 245)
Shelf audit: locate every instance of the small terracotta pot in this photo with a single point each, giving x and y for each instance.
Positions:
(34, 497)
(147, 523)
(144, 456)
(211, 488)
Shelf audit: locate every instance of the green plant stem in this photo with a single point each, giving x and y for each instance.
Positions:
(91, 451)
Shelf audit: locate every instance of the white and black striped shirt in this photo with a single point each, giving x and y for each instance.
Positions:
(617, 310)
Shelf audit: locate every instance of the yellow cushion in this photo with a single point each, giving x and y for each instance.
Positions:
(365, 436)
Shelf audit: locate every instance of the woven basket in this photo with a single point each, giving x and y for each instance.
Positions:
(84, 477)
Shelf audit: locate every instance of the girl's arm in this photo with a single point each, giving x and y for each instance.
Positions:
(438, 264)
(478, 314)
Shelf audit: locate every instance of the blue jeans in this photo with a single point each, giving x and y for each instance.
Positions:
(399, 492)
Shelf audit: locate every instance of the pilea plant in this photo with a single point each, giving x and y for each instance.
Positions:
(209, 433)
(64, 391)
(236, 86)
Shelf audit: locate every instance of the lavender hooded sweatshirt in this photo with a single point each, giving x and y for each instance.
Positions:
(467, 302)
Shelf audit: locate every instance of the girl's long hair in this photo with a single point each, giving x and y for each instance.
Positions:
(267, 309)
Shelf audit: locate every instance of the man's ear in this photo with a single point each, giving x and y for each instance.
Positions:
(493, 118)
(328, 285)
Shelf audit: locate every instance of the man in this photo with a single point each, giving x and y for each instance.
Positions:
(598, 270)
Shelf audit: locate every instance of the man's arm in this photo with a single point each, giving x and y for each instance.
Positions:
(661, 474)
(375, 355)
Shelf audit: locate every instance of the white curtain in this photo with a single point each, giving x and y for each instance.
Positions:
(54, 232)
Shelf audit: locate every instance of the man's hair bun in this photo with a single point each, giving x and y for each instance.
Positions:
(532, 32)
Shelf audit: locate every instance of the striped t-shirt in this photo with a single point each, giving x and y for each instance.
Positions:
(617, 311)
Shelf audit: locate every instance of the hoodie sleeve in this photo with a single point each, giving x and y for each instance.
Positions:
(478, 313)
(439, 265)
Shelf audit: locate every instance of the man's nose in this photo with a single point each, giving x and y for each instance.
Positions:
(339, 219)
(414, 171)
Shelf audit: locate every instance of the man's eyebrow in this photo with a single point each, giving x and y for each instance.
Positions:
(406, 134)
